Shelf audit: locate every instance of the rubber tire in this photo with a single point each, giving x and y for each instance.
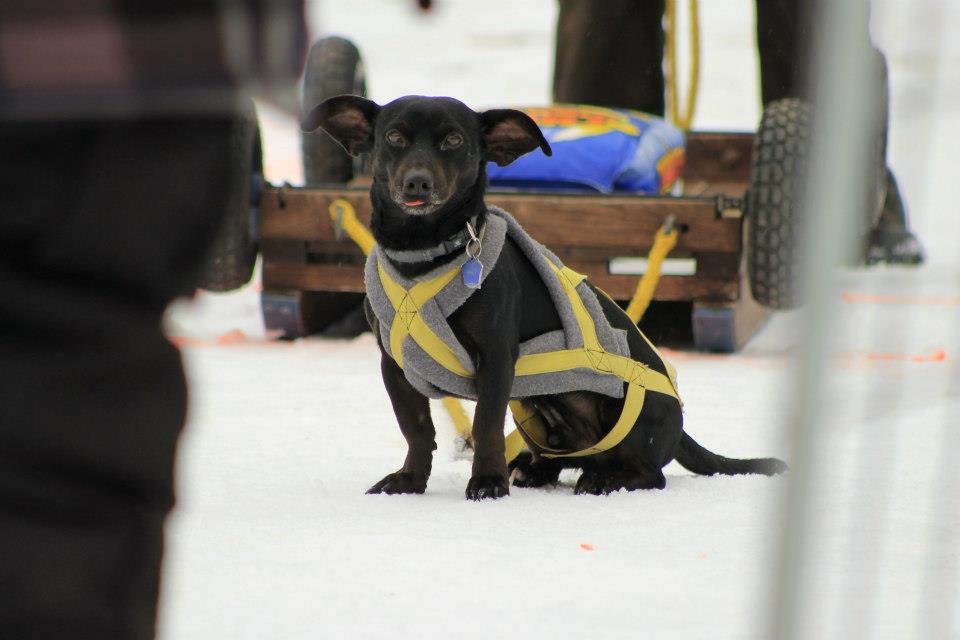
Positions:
(235, 248)
(774, 206)
(333, 68)
(780, 151)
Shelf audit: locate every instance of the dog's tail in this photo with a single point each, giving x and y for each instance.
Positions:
(705, 462)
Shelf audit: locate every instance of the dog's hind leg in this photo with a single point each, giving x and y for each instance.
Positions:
(600, 479)
(413, 413)
(530, 471)
(530, 468)
(637, 462)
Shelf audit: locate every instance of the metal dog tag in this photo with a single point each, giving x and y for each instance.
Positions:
(472, 272)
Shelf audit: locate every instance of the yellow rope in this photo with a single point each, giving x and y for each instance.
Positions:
(685, 119)
(344, 217)
(663, 242)
(461, 421)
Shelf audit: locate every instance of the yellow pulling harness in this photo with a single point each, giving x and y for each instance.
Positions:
(638, 376)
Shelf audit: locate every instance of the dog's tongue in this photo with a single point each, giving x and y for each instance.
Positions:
(414, 203)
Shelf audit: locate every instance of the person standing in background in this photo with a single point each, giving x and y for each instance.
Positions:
(118, 120)
(610, 54)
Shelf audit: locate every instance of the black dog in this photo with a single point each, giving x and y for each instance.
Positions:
(429, 157)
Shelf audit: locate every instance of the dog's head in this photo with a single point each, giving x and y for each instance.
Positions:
(426, 151)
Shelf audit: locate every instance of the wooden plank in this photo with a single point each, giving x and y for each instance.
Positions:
(718, 157)
(669, 287)
(618, 223)
(302, 214)
(705, 189)
(709, 264)
(342, 253)
(330, 277)
(586, 231)
(313, 277)
(282, 250)
(716, 278)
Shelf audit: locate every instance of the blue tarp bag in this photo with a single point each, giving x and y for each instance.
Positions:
(597, 149)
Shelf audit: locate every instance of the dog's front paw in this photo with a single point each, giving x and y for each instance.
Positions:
(482, 487)
(400, 482)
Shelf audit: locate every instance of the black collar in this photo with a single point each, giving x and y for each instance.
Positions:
(453, 244)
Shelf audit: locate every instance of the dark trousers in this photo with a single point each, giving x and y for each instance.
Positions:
(102, 224)
(610, 52)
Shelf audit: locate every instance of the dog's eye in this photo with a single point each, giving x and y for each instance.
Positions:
(452, 141)
(396, 138)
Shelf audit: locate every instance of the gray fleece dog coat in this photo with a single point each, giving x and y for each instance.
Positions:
(456, 377)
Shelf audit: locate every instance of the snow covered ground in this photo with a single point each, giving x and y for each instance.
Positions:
(274, 538)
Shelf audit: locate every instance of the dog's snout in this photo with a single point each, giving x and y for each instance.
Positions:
(417, 183)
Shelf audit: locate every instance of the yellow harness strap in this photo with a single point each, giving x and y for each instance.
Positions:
(639, 377)
(408, 321)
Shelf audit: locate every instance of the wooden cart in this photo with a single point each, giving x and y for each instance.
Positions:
(311, 274)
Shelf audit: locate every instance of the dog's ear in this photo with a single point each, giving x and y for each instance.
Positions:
(508, 134)
(348, 119)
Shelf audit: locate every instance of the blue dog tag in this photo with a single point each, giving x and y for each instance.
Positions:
(472, 271)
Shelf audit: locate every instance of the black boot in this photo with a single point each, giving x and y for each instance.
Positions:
(890, 240)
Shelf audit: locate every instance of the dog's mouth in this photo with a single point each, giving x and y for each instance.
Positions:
(418, 206)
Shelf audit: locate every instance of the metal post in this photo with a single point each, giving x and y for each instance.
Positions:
(835, 197)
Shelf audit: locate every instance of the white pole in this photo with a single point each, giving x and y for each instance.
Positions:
(843, 133)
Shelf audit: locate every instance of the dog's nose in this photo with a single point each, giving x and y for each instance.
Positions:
(417, 184)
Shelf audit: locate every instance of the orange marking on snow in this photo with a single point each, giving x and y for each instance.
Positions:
(236, 337)
(937, 356)
(775, 361)
(232, 337)
(865, 298)
(867, 360)
(586, 546)
(673, 354)
(185, 341)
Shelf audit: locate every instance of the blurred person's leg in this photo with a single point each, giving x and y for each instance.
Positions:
(785, 43)
(102, 225)
(610, 53)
